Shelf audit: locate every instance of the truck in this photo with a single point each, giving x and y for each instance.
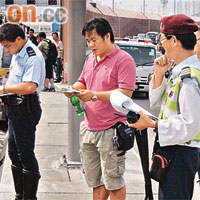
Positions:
(144, 55)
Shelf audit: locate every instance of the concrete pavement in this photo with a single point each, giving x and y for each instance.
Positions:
(51, 145)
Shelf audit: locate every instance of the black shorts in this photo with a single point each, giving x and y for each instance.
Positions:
(49, 70)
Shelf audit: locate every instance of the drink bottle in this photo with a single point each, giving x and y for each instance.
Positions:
(76, 103)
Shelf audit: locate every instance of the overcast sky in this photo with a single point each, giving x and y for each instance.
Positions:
(151, 5)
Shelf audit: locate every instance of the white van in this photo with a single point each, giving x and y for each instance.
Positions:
(144, 55)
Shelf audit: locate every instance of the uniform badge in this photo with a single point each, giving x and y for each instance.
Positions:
(171, 94)
(30, 51)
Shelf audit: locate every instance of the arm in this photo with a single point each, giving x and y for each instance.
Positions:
(158, 83)
(86, 95)
(21, 88)
(144, 122)
(180, 128)
(156, 95)
(162, 64)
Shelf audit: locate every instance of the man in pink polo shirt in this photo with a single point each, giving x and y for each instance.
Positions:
(106, 69)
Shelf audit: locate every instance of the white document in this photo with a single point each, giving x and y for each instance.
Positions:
(67, 89)
(124, 104)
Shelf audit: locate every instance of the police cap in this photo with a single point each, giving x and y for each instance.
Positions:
(178, 24)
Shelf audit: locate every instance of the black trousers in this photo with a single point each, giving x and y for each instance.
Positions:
(22, 122)
(58, 69)
(179, 182)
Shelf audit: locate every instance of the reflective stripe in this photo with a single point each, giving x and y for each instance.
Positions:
(195, 73)
(165, 97)
(171, 105)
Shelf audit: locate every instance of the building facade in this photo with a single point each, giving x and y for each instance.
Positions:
(188, 7)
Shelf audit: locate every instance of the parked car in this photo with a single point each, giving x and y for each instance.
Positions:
(141, 35)
(144, 55)
(152, 35)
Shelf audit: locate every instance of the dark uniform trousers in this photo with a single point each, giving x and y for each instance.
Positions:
(58, 69)
(179, 182)
(22, 122)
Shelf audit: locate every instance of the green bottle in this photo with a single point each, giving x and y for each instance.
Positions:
(76, 103)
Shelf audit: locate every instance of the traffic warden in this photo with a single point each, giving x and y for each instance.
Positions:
(26, 78)
(179, 97)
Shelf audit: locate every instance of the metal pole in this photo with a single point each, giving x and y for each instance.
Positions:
(113, 6)
(76, 56)
(174, 6)
(144, 6)
(61, 29)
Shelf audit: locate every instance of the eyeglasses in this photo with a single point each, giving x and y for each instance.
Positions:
(167, 37)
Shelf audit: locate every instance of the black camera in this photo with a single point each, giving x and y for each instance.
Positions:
(132, 117)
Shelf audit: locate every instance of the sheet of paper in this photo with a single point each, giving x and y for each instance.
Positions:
(124, 104)
(67, 89)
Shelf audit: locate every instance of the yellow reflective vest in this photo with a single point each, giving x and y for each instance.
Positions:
(170, 104)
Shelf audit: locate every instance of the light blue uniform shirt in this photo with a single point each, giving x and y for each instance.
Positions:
(27, 66)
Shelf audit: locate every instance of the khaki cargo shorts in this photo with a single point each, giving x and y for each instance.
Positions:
(101, 165)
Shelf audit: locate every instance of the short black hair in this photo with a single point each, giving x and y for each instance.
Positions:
(31, 29)
(55, 33)
(188, 41)
(42, 34)
(9, 32)
(101, 26)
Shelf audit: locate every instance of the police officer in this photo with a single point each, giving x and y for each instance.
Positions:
(179, 97)
(26, 78)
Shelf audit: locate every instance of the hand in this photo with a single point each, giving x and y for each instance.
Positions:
(85, 95)
(162, 64)
(144, 122)
(1, 90)
(68, 95)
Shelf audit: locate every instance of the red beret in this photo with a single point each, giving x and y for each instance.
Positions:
(178, 24)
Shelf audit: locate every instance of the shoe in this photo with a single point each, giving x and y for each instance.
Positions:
(52, 89)
(45, 89)
(57, 80)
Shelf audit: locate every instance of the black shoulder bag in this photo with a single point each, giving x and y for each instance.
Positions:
(124, 137)
(160, 164)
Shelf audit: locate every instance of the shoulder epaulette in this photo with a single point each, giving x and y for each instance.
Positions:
(185, 73)
(30, 51)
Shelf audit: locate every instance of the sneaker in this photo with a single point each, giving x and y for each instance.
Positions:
(52, 89)
(45, 89)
